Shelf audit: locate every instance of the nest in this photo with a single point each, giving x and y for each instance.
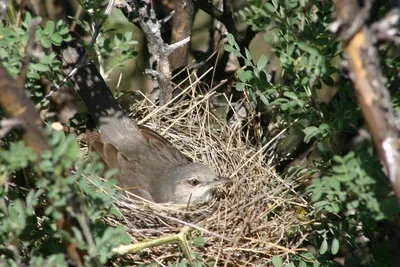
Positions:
(250, 221)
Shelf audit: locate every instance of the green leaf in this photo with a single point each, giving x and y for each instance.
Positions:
(228, 48)
(328, 81)
(240, 86)
(237, 53)
(50, 27)
(248, 62)
(290, 95)
(335, 246)
(231, 39)
(321, 203)
(290, 49)
(248, 55)
(324, 247)
(128, 36)
(316, 190)
(45, 42)
(277, 261)
(56, 39)
(242, 75)
(264, 99)
(46, 166)
(110, 173)
(39, 67)
(270, 7)
(199, 242)
(262, 62)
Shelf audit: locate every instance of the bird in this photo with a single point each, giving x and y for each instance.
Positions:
(148, 165)
(152, 168)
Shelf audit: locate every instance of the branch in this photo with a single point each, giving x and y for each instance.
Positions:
(369, 83)
(181, 29)
(226, 17)
(142, 12)
(16, 105)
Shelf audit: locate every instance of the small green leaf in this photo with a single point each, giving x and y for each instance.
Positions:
(240, 86)
(262, 62)
(270, 7)
(290, 95)
(128, 36)
(276, 261)
(324, 247)
(248, 62)
(39, 67)
(290, 49)
(231, 39)
(45, 42)
(199, 242)
(321, 203)
(242, 75)
(335, 246)
(328, 81)
(56, 39)
(50, 27)
(237, 53)
(228, 48)
(63, 30)
(46, 166)
(248, 55)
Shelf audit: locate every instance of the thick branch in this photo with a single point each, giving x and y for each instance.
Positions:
(181, 29)
(369, 83)
(142, 11)
(16, 104)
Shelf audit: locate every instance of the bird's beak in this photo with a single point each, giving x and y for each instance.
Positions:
(221, 181)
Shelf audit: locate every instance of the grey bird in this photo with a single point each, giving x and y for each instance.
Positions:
(149, 166)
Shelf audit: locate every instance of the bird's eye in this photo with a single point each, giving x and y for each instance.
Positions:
(194, 182)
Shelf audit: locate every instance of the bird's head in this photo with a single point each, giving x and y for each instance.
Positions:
(191, 182)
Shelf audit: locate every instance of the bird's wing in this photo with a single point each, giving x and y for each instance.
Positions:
(163, 149)
(128, 179)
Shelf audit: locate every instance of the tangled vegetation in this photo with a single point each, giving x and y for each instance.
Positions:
(265, 100)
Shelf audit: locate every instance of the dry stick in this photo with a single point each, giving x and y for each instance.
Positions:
(369, 83)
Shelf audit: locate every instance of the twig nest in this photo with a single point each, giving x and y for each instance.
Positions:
(249, 221)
